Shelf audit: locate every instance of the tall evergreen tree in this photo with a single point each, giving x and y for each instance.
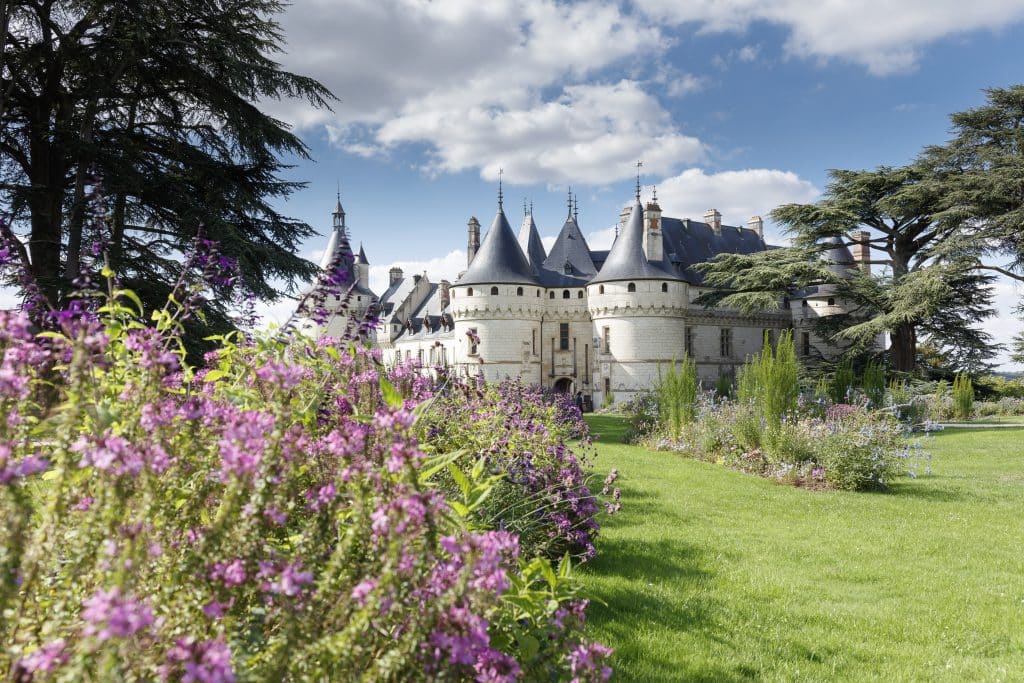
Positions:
(160, 101)
(918, 289)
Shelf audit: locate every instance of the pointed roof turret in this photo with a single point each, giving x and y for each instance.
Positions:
(627, 259)
(842, 263)
(362, 256)
(500, 259)
(529, 242)
(569, 264)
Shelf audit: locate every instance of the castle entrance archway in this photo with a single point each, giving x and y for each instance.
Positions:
(563, 385)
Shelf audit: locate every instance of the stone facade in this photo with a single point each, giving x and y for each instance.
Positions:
(605, 330)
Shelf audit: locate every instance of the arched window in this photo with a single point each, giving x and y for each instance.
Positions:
(494, 291)
(600, 290)
(519, 291)
(579, 294)
(631, 287)
(538, 293)
(565, 293)
(469, 292)
(831, 301)
(664, 286)
(551, 295)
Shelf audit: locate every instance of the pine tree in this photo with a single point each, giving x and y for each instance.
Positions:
(159, 102)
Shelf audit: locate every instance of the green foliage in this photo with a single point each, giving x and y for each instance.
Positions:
(724, 385)
(841, 385)
(873, 383)
(677, 391)
(963, 396)
(769, 380)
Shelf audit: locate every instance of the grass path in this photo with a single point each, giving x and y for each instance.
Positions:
(710, 574)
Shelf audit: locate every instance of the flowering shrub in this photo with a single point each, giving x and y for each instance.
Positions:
(848, 447)
(520, 433)
(271, 516)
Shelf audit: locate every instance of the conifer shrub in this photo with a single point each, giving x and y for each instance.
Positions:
(842, 383)
(873, 384)
(963, 396)
(676, 392)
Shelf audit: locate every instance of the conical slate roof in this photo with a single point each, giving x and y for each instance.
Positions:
(569, 263)
(627, 260)
(500, 260)
(529, 242)
(362, 256)
(838, 253)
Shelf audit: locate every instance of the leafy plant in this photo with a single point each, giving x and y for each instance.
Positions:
(677, 391)
(963, 396)
(873, 383)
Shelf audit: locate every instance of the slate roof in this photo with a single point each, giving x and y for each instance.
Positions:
(395, 294)
(570, 263)
(362, 256)
(529, 242)
(688, 243)
(338, 247)
(500, 259)
(627, 260)
(839, 255)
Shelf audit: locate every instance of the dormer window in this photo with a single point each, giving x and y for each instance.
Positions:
(567, 268)
(600, 290)
(469, 292)
(579, 294)
(494, 291)
(565, 293)
(831, 301)
(664, 286)
(519, 291)
(551, 295)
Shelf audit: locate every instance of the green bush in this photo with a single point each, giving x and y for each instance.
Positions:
(769, 381)
(841, 386)
(963, 396)
(864, 451)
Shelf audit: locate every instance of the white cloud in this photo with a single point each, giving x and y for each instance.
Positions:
(1006, 324)
(445, 267)
(883, 35)
(748, 53)
(591, 134)
(738, 195)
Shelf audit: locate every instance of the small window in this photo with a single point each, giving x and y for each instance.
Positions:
(607, 385)
(538, 293)
(631, 287)
(600, 290)
(606, 339)
(725, 341)
(805, 343)
(494, 291)
(565, 293)
(398, 357)
(473, 339)
(664, 286)
(831, 301)
(688, 341)
(469, 292)
(803, 303)
(359, 298)
(519, 291)
(419, 357)
(533, 346)
(563, 336)
(579, 294)
(551, 295)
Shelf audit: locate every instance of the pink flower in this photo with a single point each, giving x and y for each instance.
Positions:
(109, 615)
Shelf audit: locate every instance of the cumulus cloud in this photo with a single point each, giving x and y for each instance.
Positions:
(445, 267)
(884, 36)
(738, 195)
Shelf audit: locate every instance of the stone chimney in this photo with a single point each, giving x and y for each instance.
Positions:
(474, 240)
(654, 247)
(757, 225)
(862, 251)
(446, 296)
(714, 219)
(394, 275)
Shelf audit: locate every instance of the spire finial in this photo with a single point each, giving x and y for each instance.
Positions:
(576, 208)
(638, 165)
(531, 208)
(339, 191)
(654, 195)
(570, 200)
(501, 172)
(525, 212)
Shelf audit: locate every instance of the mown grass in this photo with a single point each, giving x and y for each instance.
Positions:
(713, 575)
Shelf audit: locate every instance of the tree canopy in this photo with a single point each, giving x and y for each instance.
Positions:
(157, 103)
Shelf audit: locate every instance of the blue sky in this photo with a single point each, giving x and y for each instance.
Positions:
(733, 104)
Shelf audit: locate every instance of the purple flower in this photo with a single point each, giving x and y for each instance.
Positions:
(586, 663)
(362, 589)
(108, 614)
(45, 659)
(206, 661)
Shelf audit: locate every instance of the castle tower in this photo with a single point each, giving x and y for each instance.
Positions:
(529, 241)
(496, 306)
(637, 306)
(473, 246)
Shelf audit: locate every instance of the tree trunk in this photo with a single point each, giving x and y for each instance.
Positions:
(903, 347)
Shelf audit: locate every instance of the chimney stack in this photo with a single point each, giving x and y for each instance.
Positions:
(474, 240)
(862, 251)
(446, 296)
(654, 248)
(714, 219)
(394, 275)
(757, 225)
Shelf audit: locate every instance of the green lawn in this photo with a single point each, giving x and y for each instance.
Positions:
(709, 574)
